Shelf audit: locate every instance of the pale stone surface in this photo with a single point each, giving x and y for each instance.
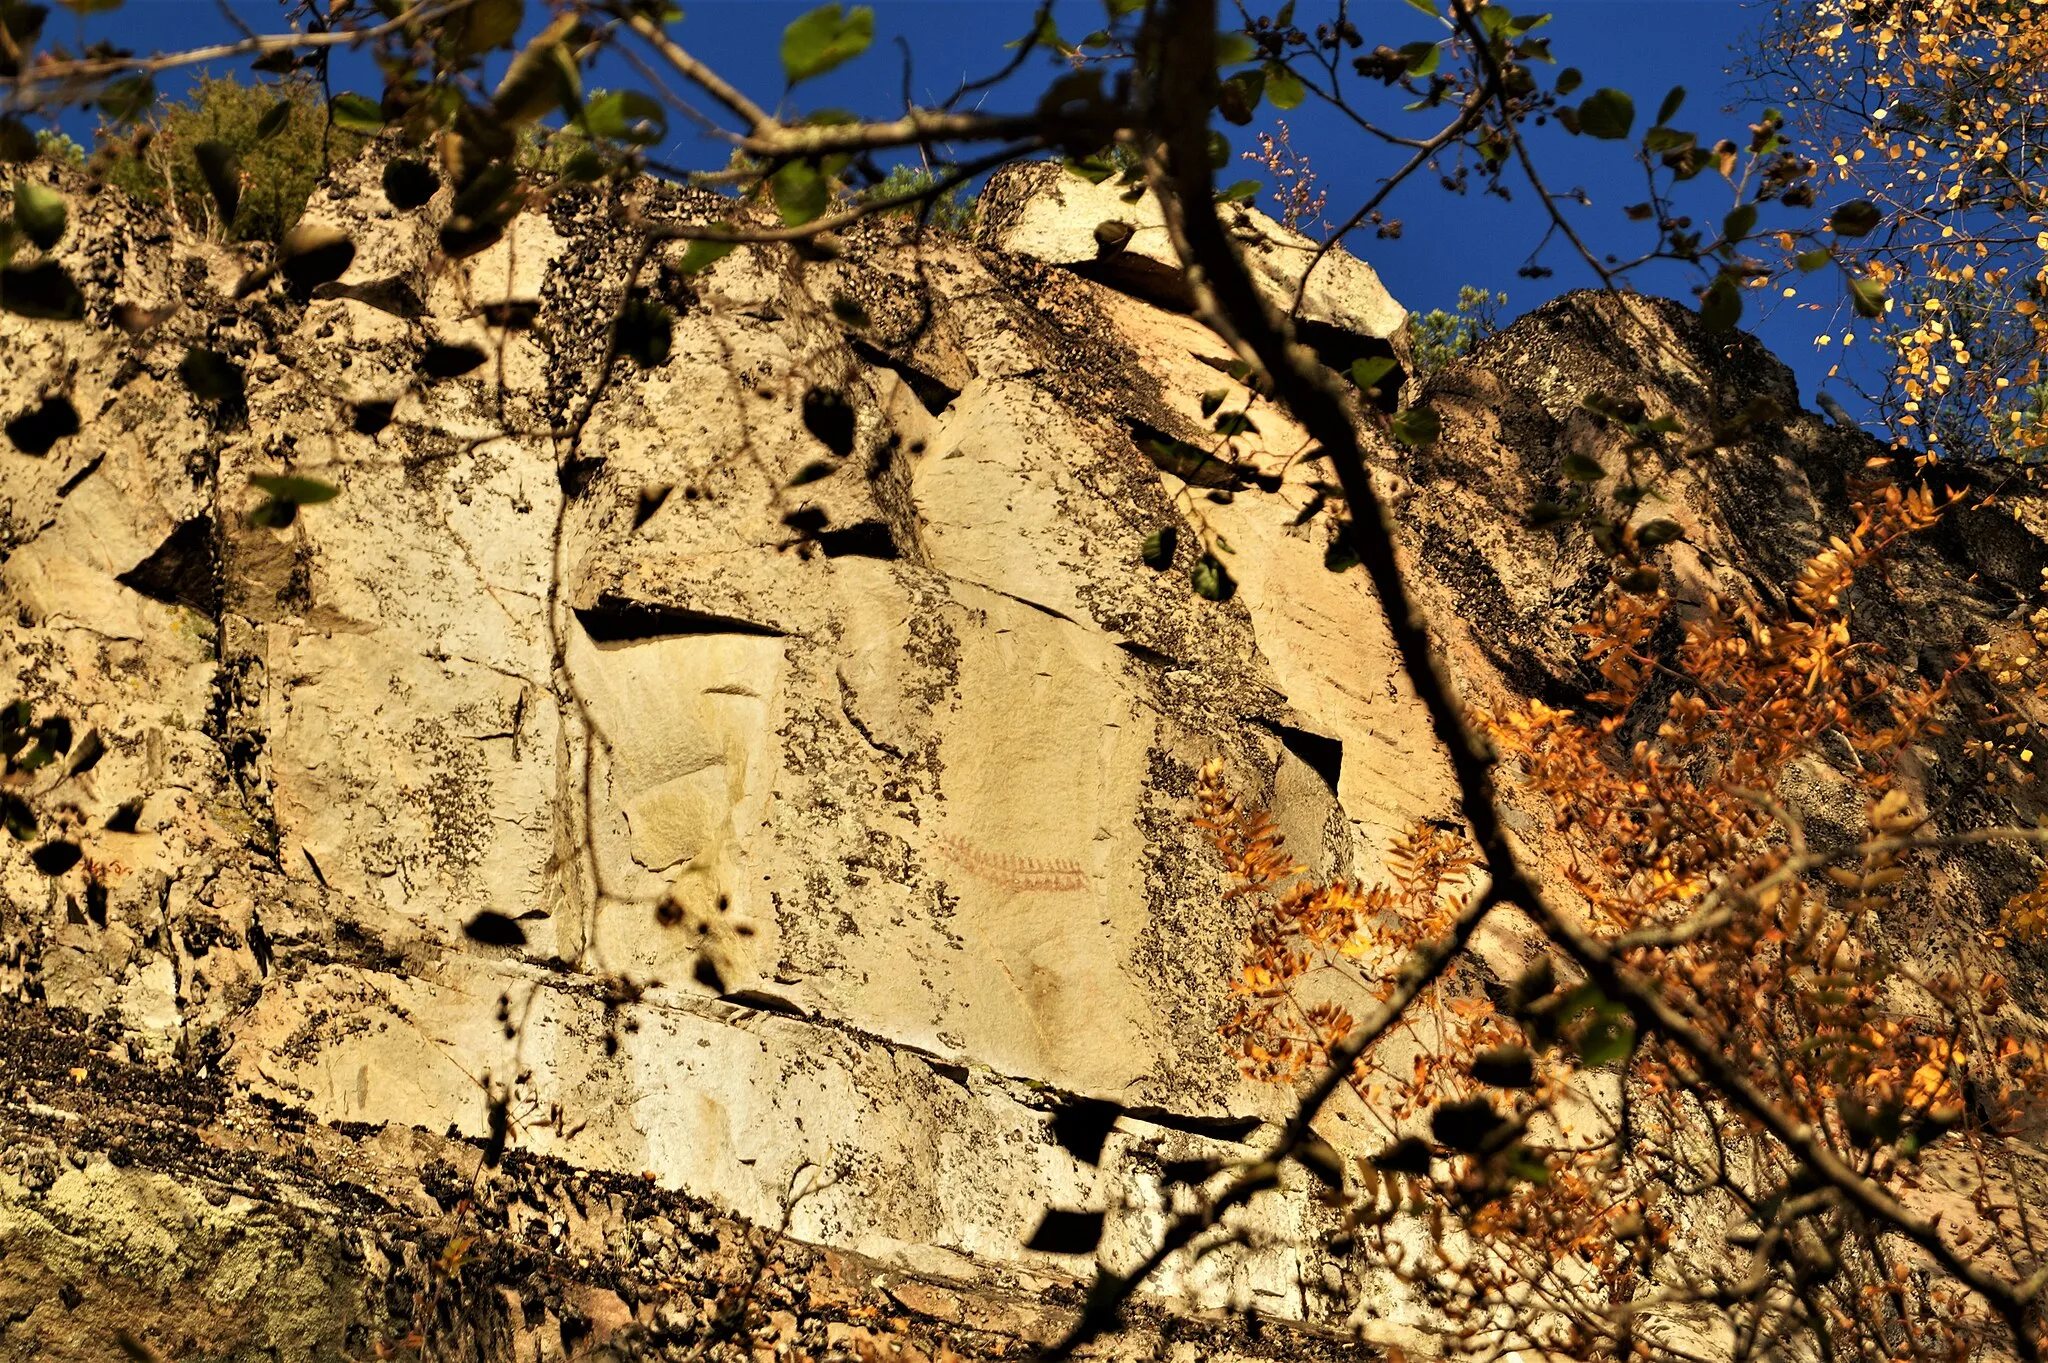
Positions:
(846, 821)
(882, 834)
(1039, 210)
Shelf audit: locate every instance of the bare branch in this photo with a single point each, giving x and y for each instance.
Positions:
(757, 119)
(100, 68)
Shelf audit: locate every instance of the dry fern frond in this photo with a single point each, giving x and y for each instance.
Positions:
(1252, 848)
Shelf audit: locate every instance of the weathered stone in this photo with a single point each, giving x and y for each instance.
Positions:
(806, 704)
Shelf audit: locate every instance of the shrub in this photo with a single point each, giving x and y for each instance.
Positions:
(59, 147)
(1441, 337)
(948, 212)
(281, 142)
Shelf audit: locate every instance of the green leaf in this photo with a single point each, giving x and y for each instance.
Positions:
(17, 141)
(1322, 1161)
(1238, 97)
(1737, 224)
(1067, 1233)
(289, 488)
(1607, 114)
(850, 312)
(1211, 579)
(485, 24)
(1867, 297)
(626, 116)
(1721, 306)
(1239, 192)
(1093, 169)
(356, 113)
(1669, 107)
(222, 171)
(1219, 150)
(825, 38)
(1425, 6)
(702, 255)
(313, 254)
(1857, 219)
(1525, 1164)
(1422, 58)
(39, 212)
(1466, 1126)
(15, 718)
(1283, 87)
(1658, 533)
(1367, 373)
(539, 78)
(1505, 1067)
(1581, 468)
(1112, 236)
(1668, 139)
(442, 360)
(1157, 551)
(1233, 48)
(272, 514)
(1285, 18)
(1809, 261)
(45, 291)
(409, 183)
(16, 816)
(646, 332)
(128, 98)
(1190, 463)
(1609, 1037)
(274, 118)
(1569, 79)
(211, 375)
(801, 193)
(1047, 35)
(1417, 427)
(55, 858)
(586, 167)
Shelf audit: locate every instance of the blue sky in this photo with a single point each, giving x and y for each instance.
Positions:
(1642, 46)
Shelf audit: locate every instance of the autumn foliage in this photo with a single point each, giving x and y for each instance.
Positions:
(1582, 1186)
(1936, 113)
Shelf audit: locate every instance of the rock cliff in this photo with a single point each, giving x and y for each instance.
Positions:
(749, 791)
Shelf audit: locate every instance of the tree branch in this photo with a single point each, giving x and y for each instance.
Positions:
(757, 119)
(99, 68)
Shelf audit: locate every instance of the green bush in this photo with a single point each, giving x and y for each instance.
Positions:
(59, 147)
(280, 139)
(1441, 337)
(949, 212)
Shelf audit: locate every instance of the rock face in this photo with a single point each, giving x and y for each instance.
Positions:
(801, 716)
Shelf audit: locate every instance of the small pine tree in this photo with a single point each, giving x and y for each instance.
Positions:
(1441, 337)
